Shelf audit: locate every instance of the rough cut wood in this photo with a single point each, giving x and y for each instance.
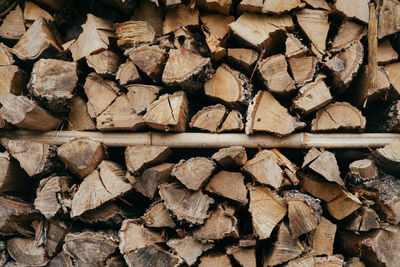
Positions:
(215, 260)
(186, 70)
(78, 116)
(303, 261)
(150, 12)
(323, 237)
(13, 27)
(148, 182)
(221, 6)
(363, 169)
(229, 86)
(334, 261)
(312, 96)
(318, 4)
(388, 18)
(356, 9)
(141, 96)
(267, 210)
(285, 248)
(348, 33)
(391, 120)
(168, 112)
(132, 33)
(151, 256)
(139, 157)
(53, 195)
(35, 158)
(386, 54)
(266, 114)
(338, 116)
(127, 73)
(37, 42)
(102, 185)
(53, 83)
(193, 173)
(209, 118)
(157, 216)
(149, 59)
(303, 69)
(221, 223)
(343, 205)
(12, 177)
(109, 214)
(233, 122)
(184, 38)
(33, 12)
(244, 58)
(13, 80)
(55, 236)
(94, 38)
(229, 185)
(392, 71)
(82, 155)
(388, 157)
(188, 248)
(319, 187)
(104, 63)
(6, 58)
(274, 74)
(179, 16)
(363, 220)
(191, 206)
(231, 156)
(25, 251)
(326, 166)
(354, 262)
(294, 47)
(253, 6)
(278, 7)
(245, 256)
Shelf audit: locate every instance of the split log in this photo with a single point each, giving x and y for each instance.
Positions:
(53, 83)
(104, 63)
(312, 96)
(338, 116)
(6, 58)
(343, 205)
(332, 261)
(386, 54)
(179, 16)
(388, 157)
(252, 6)
(294, 47)
(193, 173)
(32, 12)
(13, 80)
(141, 96)
(273, 73)
(264, 168)
(318, 187)
(244, 58)
(231, 156)
(247, 27)
(289, 168)
(391, 118)
(94, 38)
(285, 248)
(209, 118)
(266, 114)
(186, 70)
(120, 115)
(12, 177)
(151, 256)
(354, 262)
(322, 238)
(149, 59)
(53, 196)
(348, 33)
(388, 18)
(109, 214)
(25, 251)
(221, 223)
(221, 260)
(13, 27)
(55, 236)
(356, 9)
(220, 6)
(278, 7)
(303, 69)
(140, 157)
(148, 182)
(168, 112)
(267, 210)
(150, 12)
(318, 4)
(133, 33)
(232, 123)
(229, 86)
(361, 170)
(102, 185)
(80, 247)
(303, 261)
(101, 93)
(36, 159)
(245, 256)
(78, 117)
(229, 185)
(158, 216)
(345, 65)
(188, 248)
(82, 155)
(392, 71)
(191, 206)
(38, 41)
(127, 73)
(363, 220)
(189, 40)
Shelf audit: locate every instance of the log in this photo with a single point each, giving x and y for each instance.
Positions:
(363, 220)
(386, 54)
(157, 216)
(168, 112)
(303, 261)
(133, 33)
(6, 58)
(12, 177)
(109, 214)
(37, 160)
(141, 96)
(273, 73)
(221, 224)
(188, 248)
(149, 59)
(179, 16)
(231, 156)
(53, 83)
(388, 158)
(220, 6)
(191, 77)
(312, 96)
(388, 22)
(334, 261)
(358, 10)
(32, 12)
(38, 41)
(319, 187)
(318, 4)
(151, 256)
(82, 155)
(104, 63)
(361, 170)
(349, 32)
(294, 47)
(55, 236)
(61, 259)
(194, 172)
(150, 12)
(189, 40)
(53, 196)
(104, 184)
(393, 75)
(229, 185)
(78, 116)
(127, 73)
(278, 7)
(245, 256)
(101, 93)
(215, 260)
(391, 119)
(13, 80)
(25, 251)
(302, 69)
(148, 182)
(278, 121)
(243, 58)
(252, 6)
(209, 118)
(13, 27)
(191, 206)
(354, 262)
(288, 167)
(322, 238)
(94, 38)
(149, 156)
(338, 116)
(267, 210)
(229, 86)
(232, 123)
(343, 205)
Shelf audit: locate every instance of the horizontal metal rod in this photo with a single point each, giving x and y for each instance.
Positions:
(208, 140)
